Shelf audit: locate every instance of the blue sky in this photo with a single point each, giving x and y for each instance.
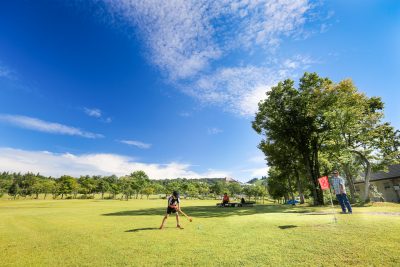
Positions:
(171, 87)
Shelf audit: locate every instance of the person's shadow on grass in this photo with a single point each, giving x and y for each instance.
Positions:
(283, 227)
(141, 229)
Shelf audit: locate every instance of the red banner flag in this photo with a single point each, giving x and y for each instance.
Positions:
(324, 183)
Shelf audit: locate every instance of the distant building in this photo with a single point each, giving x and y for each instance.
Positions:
(387, 183)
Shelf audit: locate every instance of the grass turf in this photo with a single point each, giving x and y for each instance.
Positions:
(125, 233)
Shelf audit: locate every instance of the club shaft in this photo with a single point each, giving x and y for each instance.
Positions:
(184, 214)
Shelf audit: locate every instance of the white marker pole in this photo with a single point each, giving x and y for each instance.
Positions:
(333, 210)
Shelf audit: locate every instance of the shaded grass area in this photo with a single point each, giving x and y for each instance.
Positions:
(212, 211)
(124, 233)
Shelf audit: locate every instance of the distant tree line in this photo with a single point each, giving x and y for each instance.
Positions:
(320, 126)
(133, 186)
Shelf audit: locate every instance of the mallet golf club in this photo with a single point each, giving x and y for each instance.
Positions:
(187, 217)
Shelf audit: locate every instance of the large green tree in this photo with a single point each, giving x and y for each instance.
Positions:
(359, 134)
(320, 125)
(296, 116)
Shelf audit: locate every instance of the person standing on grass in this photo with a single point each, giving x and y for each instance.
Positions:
(338, 185)
(173, 207)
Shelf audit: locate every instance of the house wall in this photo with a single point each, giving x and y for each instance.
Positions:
(386, 187)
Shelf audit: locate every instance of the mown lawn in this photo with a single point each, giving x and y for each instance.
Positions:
(125, 233)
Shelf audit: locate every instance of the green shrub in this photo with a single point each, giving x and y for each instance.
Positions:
(86, 197)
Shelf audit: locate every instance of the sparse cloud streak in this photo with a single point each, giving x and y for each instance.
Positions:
(93, 112)
(45, 126)
(136, 144)
(214, 130)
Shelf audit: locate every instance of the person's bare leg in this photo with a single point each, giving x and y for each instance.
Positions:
(165, 218)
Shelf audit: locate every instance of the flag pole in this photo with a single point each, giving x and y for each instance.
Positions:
(333, 210)
(324, 184)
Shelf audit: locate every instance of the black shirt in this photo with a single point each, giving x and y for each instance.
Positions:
(173, 201)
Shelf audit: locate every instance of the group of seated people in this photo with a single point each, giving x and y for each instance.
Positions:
(225, 200)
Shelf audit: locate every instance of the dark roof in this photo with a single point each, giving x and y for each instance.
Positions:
(393, 172)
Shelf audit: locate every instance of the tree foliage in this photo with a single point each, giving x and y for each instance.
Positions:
(308, 130)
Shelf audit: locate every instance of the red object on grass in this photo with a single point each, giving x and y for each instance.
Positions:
(324, 183)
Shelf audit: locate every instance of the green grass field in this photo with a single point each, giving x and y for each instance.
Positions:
(125, 233)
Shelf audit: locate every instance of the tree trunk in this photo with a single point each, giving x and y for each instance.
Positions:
(299, 187)
(320, 192)
(290, 188)
(367, 174)
(367, 178)
(310, 174)
(350, 182)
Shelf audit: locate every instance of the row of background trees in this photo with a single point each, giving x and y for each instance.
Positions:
(307, 132)
(320, 126)
(136, 185)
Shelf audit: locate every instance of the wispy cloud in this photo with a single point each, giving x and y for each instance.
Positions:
(184, 37)
(214, 130)
(239, 89)
(106, 120)
(257, 159)
(5, 72)
(45, 126)
(93, 112)
(185, 114)
(190, 41)
(256, 172)
(135, 143)
(97, 113)
(54, 164)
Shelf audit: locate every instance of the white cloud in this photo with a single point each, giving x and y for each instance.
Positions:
(44, 126)
(265, 22)
(192, 41)
(214, 130)
(178, 34)
(53, 164)
(183, 37)
(136, 143)
(239, 89)
(257, 159)
(93, 112)
(298, 62)
(185, 114)
(97, 113)
(256, 172)
(4, 72)
(107, 120)
(236, 89)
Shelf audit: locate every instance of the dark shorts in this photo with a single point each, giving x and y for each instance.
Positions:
(170, 210)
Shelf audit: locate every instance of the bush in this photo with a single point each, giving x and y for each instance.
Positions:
(86, 197)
